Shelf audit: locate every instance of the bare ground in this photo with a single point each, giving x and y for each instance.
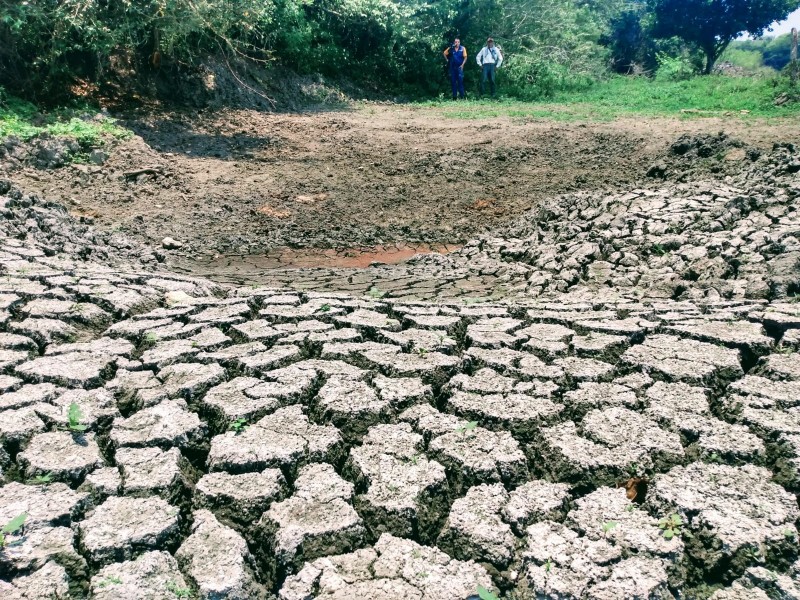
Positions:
(289, 186)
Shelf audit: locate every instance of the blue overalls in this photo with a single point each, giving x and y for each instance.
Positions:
(457, 58)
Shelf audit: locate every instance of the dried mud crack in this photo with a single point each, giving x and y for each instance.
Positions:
(623, 423)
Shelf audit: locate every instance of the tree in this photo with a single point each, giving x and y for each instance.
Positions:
(627, 41)
(777, 51)
(712, 24)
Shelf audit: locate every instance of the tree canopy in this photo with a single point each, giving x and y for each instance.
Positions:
(712, 25)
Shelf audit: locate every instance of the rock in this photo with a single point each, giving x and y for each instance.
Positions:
(536, 501)
(474, 528)
(52, 505)
(121, 528)
(476, 455)
(152, 471)
(164, 425)
(394, 568)
(63, 456)
(241, 498)
(406, 493)
(152, 576)
(98, 157)
(729, 508)
(318, 519)
(171, 244)
(217, 561)
(285, 439)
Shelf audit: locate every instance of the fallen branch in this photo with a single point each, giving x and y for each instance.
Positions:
(143, 171)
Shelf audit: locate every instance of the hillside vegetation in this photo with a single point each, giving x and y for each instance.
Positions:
(55, 50)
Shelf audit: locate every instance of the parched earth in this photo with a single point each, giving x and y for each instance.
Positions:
(282, 188)
(623, 424)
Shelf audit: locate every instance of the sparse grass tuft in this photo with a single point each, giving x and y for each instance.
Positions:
(12, 527)
(74, 417)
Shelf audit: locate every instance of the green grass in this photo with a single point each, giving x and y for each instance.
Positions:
(23, 120)
(710, 96)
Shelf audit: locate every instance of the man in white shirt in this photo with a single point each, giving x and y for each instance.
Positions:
(489, 59)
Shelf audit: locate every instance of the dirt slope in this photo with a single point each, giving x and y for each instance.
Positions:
(247, 182)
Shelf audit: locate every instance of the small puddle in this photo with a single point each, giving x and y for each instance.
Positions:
(309, 258)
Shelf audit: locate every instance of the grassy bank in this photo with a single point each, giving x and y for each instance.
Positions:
(710, 96)
(86, 125)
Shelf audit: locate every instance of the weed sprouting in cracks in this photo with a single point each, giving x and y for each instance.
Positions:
(74, 418)
(238, 426)
(485, 594)
(754, 555)
(468, 427)
(12, 527)
(178, 591)
(41, 479)
(609, 526)
(325, 308)
(671, 525)
(112, 579)
(376, 293)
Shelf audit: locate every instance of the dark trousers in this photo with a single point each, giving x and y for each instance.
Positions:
(488, 74)
(457, 81)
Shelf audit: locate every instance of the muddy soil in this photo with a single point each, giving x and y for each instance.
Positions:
(343, 183)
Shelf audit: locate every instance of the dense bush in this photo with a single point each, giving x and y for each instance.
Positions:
(51, 48)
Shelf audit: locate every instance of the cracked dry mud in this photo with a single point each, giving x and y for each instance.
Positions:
(309, 442)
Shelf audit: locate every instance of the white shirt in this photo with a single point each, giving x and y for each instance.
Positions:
(485, 56)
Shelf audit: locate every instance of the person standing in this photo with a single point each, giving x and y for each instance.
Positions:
(456, 56)
(489, 59)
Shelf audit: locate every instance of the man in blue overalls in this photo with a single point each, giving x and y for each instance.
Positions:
(456, 56)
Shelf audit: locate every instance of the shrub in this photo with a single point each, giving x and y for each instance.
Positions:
(674, 68)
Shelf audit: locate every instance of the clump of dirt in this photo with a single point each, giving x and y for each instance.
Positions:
(692, 156)
(44, 152)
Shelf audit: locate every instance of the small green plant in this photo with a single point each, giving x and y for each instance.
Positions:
(753, 555)
(659, 250)
(376, 293)
(548, 565)
(467, 427)
(150, 338)
(609, 526)
(485, 594)
(238, 426)
(74, 418)
(790, 534)
(671, 525)
(325, 308)
(423, 352)
(111, 579)
(178, 591)
(41, 479)
(12, 527)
